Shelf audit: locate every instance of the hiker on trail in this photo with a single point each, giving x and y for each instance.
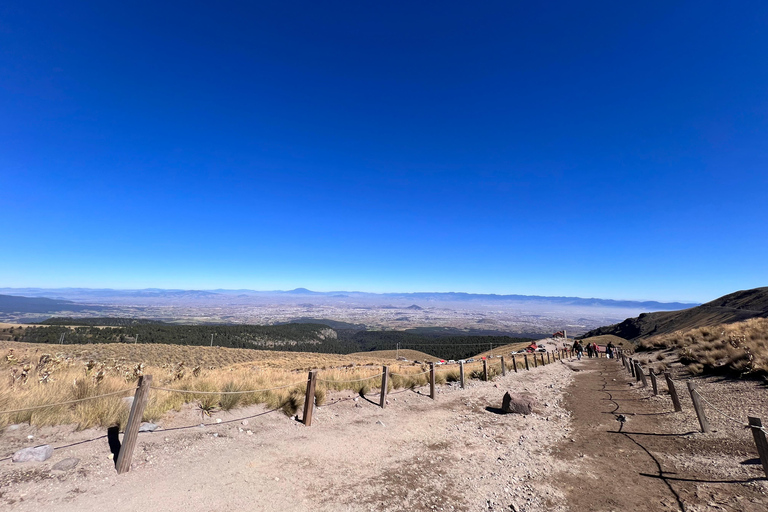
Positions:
(589, 350)
(579, 349)
(595, 350)
(609, 350)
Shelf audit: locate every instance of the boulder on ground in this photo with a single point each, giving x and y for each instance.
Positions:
(521, 404)
(37, 454)
(66, 464)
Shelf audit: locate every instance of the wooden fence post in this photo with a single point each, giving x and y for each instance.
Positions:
(526, 362)
(673, 392)
(698, 407)
(653, 382)
(461, 373)
(762, 445)
(514, 362)
(125, 455)
(641, 374)
(632, 366)
(503, 367)
(384, 384)
(309, 398)
(541, 354)
(485, 370)
(548, 358)
(432, 381)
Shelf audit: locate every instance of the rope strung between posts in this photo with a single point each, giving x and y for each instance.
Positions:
(410, 374)
(354, 380)
(68, 402)
(734, 420)
(193, 392)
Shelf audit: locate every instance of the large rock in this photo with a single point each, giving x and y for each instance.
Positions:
(521, 404)
(36, 454)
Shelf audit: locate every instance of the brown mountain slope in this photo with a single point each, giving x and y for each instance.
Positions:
(734, 307)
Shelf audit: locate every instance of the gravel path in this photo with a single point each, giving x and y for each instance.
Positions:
(453, 453)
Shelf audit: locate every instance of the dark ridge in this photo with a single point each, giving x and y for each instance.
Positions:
(15, 304)
(734, 307)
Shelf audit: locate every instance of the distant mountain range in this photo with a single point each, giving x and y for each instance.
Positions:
(42, 305)
(734, 307)
(101, 294)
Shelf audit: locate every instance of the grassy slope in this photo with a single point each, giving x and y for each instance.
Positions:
(739, 348)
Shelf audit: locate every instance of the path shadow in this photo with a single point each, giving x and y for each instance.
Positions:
(749, 462)
(113, 438)
(377, 404)
(495, 410)
(677, 479)
(650, 433)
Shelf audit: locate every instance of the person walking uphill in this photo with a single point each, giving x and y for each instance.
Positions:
(609, 350)
(578, 348)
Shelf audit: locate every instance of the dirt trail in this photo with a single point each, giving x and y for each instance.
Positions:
(649, 462)
(453, 453)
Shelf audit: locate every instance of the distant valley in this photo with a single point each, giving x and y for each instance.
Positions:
(451, 313)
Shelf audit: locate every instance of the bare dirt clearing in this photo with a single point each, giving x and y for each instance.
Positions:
(454, 453)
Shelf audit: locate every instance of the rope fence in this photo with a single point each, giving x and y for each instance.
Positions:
(332, 381)
(245, 392)
(68, 402)
(698, 399)
(142, 391)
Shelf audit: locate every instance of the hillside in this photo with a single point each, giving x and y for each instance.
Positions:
(736, 349)
(294, 337)
(734, 307)
(16, 304)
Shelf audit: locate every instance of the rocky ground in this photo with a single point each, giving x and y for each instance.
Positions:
(457, 452)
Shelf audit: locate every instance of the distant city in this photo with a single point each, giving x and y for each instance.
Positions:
(449, 312)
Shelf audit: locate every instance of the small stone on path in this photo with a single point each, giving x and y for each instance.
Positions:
(66, 464)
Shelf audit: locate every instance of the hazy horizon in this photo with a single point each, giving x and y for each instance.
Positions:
(6, 289)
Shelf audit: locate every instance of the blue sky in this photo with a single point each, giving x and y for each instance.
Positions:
(550, 148)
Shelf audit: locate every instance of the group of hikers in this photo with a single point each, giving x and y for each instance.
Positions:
(592, 350)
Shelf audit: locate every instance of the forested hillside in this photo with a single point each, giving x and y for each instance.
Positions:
(302, 337)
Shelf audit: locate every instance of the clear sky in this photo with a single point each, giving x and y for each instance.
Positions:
(596, 149)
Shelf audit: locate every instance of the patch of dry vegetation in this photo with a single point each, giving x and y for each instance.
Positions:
(38, 374)
(739, 348)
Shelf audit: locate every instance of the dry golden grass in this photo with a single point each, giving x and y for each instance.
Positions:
(38, 374)
(410, 355)
(504, 350)
(737, 348)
